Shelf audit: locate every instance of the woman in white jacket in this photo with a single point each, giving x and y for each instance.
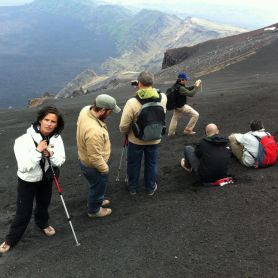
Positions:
(41, 142)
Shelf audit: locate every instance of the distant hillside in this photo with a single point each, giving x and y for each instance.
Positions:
(216, 54)
(45, 44)
(150, 33)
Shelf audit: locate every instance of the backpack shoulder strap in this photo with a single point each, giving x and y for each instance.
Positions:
(139, 99)
(176, 86)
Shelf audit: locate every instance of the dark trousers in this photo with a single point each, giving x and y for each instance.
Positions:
(191, 158)
(134, 156)
(26, 192)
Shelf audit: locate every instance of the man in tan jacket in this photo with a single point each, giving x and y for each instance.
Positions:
(136, 146)
(94, 150)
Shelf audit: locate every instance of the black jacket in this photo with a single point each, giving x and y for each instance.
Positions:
(214, 155)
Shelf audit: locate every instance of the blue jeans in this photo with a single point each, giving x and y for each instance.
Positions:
(134, 157)
(191, 158)
(97, 187)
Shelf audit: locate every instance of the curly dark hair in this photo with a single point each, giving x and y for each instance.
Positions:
(51, 110)
(256, 125)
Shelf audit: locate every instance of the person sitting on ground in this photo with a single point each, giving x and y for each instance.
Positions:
(181, 106)
(209, 160)
(33, 151)
(245, 146)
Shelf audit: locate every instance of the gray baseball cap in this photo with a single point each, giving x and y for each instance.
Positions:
(107, 102)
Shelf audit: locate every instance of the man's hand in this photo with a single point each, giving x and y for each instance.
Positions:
(198, 83)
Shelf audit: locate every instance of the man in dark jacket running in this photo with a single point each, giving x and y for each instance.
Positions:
(210, 159)
(181, 106)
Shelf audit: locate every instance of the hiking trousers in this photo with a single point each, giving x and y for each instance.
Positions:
(236, 148)
(178, 112)
(191, 158)
(26, 193)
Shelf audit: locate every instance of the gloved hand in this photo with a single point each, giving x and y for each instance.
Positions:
(198, 82)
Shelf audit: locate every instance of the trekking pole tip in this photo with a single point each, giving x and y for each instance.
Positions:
(77, 244)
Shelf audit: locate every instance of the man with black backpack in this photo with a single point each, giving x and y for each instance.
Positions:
(177, 100)
(256, 148)
(143, 121)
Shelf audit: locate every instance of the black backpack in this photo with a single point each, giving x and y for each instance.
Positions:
(150, 124)
(171, 94)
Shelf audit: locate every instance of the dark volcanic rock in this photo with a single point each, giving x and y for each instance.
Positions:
(175, 56)
(215, 54)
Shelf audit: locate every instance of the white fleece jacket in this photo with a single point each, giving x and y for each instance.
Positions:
(250, 144)
(28, 158)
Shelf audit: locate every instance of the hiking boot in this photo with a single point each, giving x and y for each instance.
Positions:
(185, 165)
(151, 193)
(4, 248)
(49, 231)
(101, 213)
(188, 132)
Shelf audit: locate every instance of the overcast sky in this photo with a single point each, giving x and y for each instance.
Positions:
(246, 13)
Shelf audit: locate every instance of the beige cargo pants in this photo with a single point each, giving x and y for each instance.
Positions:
(178, 112)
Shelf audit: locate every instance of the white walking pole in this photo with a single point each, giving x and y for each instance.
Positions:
(63, 202)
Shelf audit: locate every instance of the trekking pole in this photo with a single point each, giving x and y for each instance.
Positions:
(126, 178)
(62, 199)
(121, 159)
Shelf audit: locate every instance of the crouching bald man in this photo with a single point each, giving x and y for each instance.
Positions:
(94, 150)
(210, 159)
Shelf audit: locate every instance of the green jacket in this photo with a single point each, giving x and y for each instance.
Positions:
(183, 93)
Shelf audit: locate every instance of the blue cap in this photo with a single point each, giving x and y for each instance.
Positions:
(182, 75)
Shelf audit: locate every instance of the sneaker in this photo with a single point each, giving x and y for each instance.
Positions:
(101, 213)
(185, 165)
(188, 132)
(4, 248)
(49, 231)
(151, 193)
